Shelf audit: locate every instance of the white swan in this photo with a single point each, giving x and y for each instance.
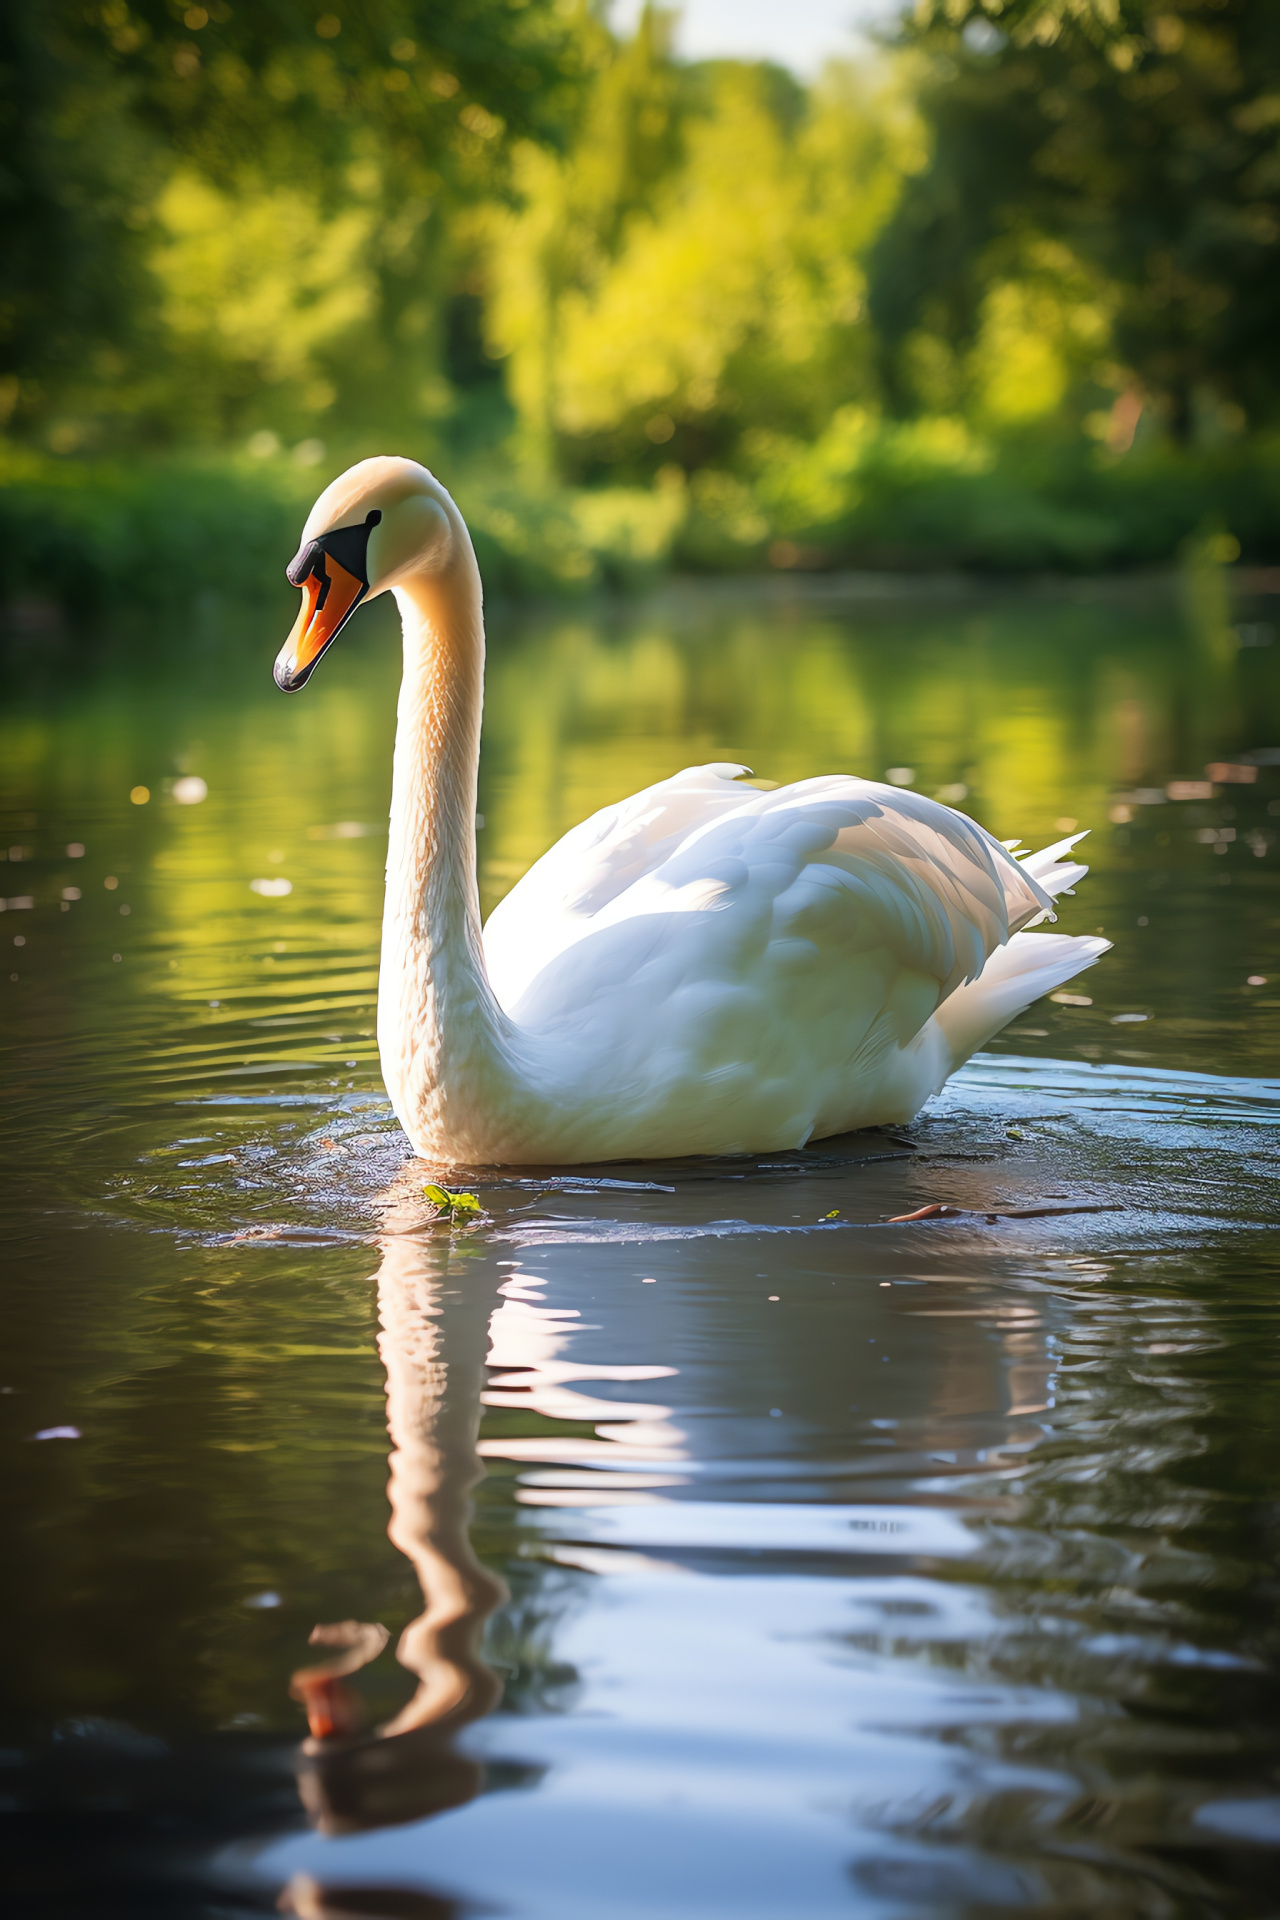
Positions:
(703, 968)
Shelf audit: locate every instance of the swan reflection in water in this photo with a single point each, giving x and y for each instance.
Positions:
(980, 1391)
(433, 1344)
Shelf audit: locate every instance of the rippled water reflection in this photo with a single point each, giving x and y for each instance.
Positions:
(819, 1564)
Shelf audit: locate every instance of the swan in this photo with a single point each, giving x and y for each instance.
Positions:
(703, 968)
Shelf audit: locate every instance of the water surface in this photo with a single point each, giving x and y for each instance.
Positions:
(749, 1554)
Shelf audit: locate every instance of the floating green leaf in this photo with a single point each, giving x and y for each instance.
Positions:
(453, 1206)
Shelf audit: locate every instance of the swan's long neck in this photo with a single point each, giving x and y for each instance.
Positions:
(441, 1033)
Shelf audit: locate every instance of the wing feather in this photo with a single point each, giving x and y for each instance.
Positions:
(841, 866)
(558, 899)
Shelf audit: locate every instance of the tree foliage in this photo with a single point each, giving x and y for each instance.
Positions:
(76, 176)
(292, 82)
(1145, 143)
(976, 297)
(691, 268)
(287, 111)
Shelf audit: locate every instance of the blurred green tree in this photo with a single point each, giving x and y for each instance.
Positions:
(690, 270)
(278, 119)
(572, 210)
(1144, 141)
(76, 177)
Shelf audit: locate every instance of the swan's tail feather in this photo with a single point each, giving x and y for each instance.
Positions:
(1052, 871)
(1031, 965)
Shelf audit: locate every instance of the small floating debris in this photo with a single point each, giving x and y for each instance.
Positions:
(285, 1235)
(58, 1433)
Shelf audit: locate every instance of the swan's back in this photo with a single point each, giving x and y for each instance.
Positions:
(838, 859)
(705, 943)
(556, 901)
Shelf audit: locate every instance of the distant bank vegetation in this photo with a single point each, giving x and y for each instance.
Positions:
(1002, 296)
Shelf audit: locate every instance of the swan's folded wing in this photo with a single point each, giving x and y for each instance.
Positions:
(560, 896)
(854, 865)
(810, 875)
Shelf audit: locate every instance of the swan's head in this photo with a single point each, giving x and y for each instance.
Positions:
(380, 521)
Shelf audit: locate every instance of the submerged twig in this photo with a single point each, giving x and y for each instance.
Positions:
(939, 1210)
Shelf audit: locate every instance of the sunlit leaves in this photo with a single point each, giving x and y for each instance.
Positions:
(1144, 140)
(255, 287)
(100, 104)
(459, 1209)
(229, 85)
(728, 292)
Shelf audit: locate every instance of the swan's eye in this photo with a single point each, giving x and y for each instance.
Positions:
(333, 572)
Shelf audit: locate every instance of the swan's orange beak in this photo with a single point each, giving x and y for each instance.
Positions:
(334, 576)
(330, 595)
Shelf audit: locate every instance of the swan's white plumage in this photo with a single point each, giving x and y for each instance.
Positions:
(703, 967)
(759, 968)
(840, 863)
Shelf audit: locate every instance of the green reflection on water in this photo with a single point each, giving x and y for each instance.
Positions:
(1039, 707)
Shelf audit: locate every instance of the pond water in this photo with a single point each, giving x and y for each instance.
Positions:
(745, 1553)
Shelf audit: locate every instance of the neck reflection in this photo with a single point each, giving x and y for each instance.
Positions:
(433, 1343)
